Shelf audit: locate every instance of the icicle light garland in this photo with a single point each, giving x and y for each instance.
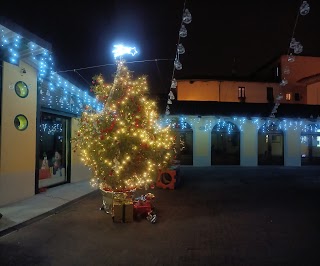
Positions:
(55, 91)
(230, 124)
(186, 19)
(295, 47)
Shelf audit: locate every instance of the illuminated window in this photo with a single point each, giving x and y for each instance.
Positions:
(20, 122)
(241, 92)
(53, 146)
(288, 96)
(21, 89)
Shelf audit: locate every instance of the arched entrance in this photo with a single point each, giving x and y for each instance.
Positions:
(225, 144)
(270, 145)
(183, 141)
(310, 145)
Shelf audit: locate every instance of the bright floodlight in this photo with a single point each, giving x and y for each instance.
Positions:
(121, 50)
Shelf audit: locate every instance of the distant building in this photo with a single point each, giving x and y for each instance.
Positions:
(270, 118)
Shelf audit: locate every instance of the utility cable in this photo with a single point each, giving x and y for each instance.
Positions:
(112, 64)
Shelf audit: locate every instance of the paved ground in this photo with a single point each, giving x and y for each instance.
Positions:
(219, 216)
(24, 212)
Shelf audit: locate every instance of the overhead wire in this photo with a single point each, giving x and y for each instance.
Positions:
(294, 27)
(186, 19)
(296, 46)
(160, 77)
(113, 64)
(177, 56)
(82, 77)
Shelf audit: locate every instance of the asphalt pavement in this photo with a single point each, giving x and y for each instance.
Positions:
(218, 216)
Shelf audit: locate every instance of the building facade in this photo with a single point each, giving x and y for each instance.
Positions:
(250, 123)
(39, 111)
(217, 121)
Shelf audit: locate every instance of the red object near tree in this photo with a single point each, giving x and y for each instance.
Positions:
(142, 208)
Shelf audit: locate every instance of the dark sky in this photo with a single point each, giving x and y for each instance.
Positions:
(82, 34)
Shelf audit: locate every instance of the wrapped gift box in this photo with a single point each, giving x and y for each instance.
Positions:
(128, 212)
(107, 200)
(142, 208)
(122, 211)
(117, 212)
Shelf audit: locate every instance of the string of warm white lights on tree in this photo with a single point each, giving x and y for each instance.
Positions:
(186, 19)
(295, 47)
(123, 145)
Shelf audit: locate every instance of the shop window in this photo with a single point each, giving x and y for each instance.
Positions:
(21, 89)
(21, 122)
(52, 150)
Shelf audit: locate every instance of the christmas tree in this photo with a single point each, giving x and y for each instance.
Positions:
(123, 145)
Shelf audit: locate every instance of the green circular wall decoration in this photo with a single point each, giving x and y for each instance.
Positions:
(21, 89)
(20, 122)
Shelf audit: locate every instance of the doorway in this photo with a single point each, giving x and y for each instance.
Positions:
(225, 144)
(270, 145)
(53, 150)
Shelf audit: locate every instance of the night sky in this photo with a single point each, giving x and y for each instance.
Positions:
(252, 33)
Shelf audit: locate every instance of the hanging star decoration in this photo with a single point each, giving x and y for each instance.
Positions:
(186, 19)
(120, 50)
(295, 47)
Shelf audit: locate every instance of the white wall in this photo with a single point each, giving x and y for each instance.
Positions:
(249, 145)
(292, 148)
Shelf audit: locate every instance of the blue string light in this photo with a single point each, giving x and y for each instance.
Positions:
(73, 99)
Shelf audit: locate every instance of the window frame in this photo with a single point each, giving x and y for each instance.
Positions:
(288, 96)
(241, 92)
(21, 94)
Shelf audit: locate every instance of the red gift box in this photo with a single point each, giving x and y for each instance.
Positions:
(142, 208)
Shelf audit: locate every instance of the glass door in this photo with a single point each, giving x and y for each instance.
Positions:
(52, 150)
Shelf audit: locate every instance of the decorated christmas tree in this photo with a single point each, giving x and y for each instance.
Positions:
(123, 145)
